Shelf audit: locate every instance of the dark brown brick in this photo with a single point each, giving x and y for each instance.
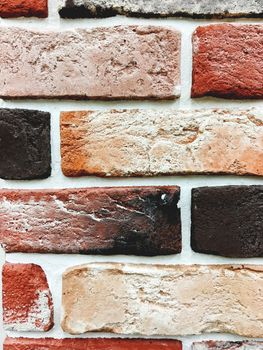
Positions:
(228, 221)
(24, 144)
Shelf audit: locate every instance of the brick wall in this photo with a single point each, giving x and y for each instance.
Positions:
(131, 191)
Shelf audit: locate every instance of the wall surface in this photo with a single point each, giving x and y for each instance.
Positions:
(54, 265)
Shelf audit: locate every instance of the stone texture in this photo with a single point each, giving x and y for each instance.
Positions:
(90, 344)
(222, 54)
(154, 8)
(228, 221)
(27, 301)
(26, 8)
(24, 144)
(125, 220)
(163, 300)
(122, 62)
(165, 142)
(228, 345)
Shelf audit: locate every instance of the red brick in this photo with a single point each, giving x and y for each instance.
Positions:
(125, 220)
(27, 301)
(122, 62)
(90, 344)
(26, 8)
(228, 61)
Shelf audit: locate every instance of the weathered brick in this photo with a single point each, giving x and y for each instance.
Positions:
(155, 8)
(228, 221)
(125, 220)
(24, 144)
(90, 344)
(222, 54)
(133, 62)
(163, 300)
(148, 143)
(229, 345)
(26, 8)
(27, 301)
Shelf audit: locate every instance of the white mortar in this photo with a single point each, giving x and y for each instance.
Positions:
(54, 265)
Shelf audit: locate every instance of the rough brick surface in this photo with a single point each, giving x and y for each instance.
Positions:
(155, 8)
(163, 300)
(228, 221)
(90, 344)
(26, 8)
(27, 301)
(24, 144)
(147, 142)
(125, 220)
(221, 345)
(222, 54)
(133, 62)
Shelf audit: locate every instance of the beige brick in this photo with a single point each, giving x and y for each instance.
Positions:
(133, 62)
(156, 8)
(148, 142)
(163, 300)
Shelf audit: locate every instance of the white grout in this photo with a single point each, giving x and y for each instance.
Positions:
(54, 265)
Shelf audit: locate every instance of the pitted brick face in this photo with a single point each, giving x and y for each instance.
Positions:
(165, 142)
(124, 220)
(27, 301)
(155, 8)
(227, 61)
(122, 62)
(90, 344)
(25, 8)
(161, 300)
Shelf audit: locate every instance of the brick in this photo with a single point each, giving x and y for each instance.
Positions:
(27, 301)
(165, 142)
(25, 144)
(222, 54)
(84, 344)
(122, 62)
(228, 345)
(125, 220)
(25, 8)
(154, 8)
(227, 221)
(163, 300)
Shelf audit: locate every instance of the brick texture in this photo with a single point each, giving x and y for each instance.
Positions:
(90, 344)
(221, 345)
(155, 8)
(133, 62)
(228, 221)
(148, 142)
(26, 8)
(125, 220)
(163, 300)
(27, 301)
(24, 144)
(222, 55)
